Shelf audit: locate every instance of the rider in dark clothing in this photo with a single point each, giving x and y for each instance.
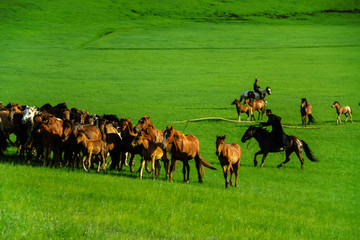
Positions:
(257, 88)
(281, 140)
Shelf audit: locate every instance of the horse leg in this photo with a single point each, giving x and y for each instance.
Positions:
(350, 117)
(225, 176)
(142, 167)
(89, 161)
(231, 175)
(236, 170)
(186, 167)
(153, 167)
(255, 161)
(346, 117)
(172, 169)
(239, 118)
(288, 153)
(338, 119)
(263, 159)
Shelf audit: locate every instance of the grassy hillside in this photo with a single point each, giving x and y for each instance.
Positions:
(178, 61)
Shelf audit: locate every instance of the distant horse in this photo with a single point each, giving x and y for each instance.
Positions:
(266, 141)
(254, 95)
(184, 148)
(306, 110)
(342, 110)
(257, 105)
(229, 155)
(242, 109)
(151, 151)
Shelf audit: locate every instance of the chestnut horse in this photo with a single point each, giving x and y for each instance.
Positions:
(266, 141)
(89, 148)
(242, 109)
(229, 155)
(257, 105)
(184, 148)
(306, 110)
(151, 151)
(342, 110)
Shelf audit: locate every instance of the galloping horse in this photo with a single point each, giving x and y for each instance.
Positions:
(265, 141)
(229, 155)
(251, 94)
(306, 110)
(342, 110)
(184, 148)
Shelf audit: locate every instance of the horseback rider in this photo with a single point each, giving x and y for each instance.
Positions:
(281, 140)
(257, 88)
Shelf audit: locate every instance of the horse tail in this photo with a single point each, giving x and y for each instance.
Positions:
(308, 152)
(205, 163)
(311, 119)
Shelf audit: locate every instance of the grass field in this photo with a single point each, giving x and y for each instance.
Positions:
(176, 62)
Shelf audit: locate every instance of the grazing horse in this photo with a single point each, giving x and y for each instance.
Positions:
(266, 141)
(257, 105)
(306, 110)
(151, 151)
(229, 155)
(342, 110)
(184, 148)
(251, 94)
(242, 109)
(89, 148)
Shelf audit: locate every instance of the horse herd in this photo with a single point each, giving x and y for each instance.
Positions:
(59, 136)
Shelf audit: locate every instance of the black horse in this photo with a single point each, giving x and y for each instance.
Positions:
(266, 144)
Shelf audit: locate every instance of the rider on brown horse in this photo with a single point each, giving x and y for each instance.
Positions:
(281, 140)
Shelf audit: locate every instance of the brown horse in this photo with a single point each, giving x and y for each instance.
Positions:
(306, 110)
(184, 148)
(242, 109)
(342, 110)
(266, 141)
(89, 148)
(151, 151)
(156, 136)
(229, 155)
(257, 105)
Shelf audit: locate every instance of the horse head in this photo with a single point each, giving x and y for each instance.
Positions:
(28, 114)
(250, 132)
(336, 103)
(143, 124)
(268, 90)
(168, 136)
(219, 140)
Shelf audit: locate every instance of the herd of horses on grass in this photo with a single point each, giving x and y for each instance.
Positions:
(58, 136)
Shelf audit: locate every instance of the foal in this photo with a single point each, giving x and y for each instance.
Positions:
(342, 110)
(92, 147)
(229, 155)
(151, 151)
(306, 110)
(242, 109)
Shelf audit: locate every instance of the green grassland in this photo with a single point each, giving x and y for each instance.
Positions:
(178, 61)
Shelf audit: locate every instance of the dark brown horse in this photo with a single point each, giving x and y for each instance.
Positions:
(306, 110)
(266, 141)
(184, 148)
(229, 155)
